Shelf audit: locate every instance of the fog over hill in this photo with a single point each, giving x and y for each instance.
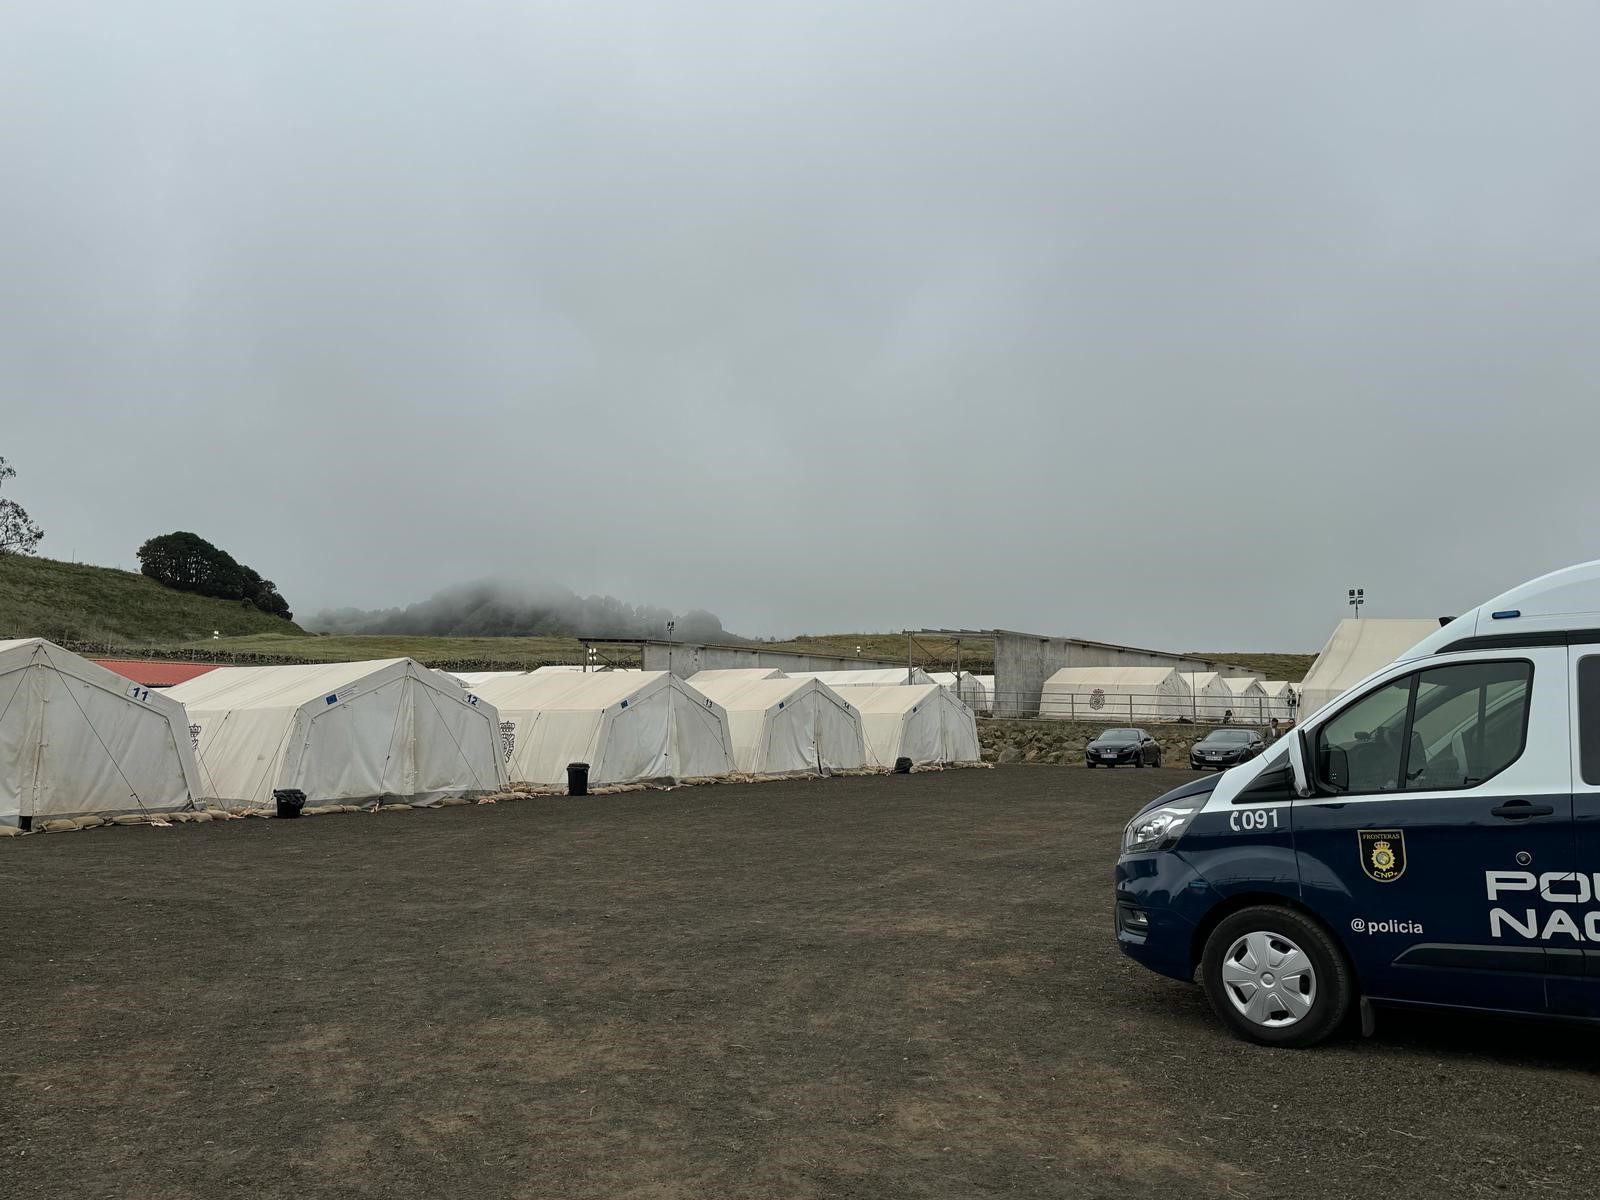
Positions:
(498, 608)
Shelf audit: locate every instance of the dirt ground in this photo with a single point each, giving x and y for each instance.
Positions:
(865, 987)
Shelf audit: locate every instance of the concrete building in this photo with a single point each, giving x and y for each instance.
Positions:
(1023, 661)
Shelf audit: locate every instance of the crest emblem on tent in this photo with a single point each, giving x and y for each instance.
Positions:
(1097, 698)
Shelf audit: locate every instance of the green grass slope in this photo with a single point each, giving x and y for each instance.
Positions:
(72, 602)
(1292, 667)
(465, 653)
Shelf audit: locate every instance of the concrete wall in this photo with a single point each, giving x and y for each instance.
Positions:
(684, 659)
(1023, 661)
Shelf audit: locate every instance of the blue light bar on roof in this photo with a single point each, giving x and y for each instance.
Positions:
(1505, 614)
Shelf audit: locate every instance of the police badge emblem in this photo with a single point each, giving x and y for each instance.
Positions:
(1383, 853)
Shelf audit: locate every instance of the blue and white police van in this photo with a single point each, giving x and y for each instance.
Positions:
(1431, 837)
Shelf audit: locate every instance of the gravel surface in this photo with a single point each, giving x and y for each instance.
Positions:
(865, 987)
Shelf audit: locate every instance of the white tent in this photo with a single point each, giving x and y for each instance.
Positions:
(968, 687)
(1357, 649)
(866, 677)
(471, 679)
(1249, 700)
(1281, 696)
(342, 733)
(781, 726)
(570, 669)
(627, 725)
(1209, 696)
(79, 740)
(1116, 694)
(718, 675)
(922, 722)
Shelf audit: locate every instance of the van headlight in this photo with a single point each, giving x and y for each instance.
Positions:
(1159, 828)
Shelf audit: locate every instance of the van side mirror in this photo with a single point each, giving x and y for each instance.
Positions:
(1299, 754)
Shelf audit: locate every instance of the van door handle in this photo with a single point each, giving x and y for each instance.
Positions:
(1521, 810)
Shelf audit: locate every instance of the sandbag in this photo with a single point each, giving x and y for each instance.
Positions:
(129, 819)
(60, 825)
(10, 831)
(90, 822)
(394, 808)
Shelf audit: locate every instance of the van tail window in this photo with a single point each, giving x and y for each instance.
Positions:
(1589, 717)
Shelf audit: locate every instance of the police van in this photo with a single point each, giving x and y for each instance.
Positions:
(1431, 837)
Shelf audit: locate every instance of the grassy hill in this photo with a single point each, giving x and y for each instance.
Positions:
(72, 602)
(1292, 667)
(978, 654)
(465, 653)
(490, 652)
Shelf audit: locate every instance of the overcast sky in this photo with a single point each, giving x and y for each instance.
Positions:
(1156, 323)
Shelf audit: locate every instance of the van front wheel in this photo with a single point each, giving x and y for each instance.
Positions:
(1275, 977)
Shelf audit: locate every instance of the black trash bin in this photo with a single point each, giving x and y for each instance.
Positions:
(290, 802)
(577, 779)
(902, 766)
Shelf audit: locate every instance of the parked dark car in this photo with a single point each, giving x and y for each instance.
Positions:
(1224, 748)
(1118, 746)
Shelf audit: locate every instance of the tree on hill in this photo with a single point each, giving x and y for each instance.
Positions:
(263, 593)
(18, 533)
(188, 563)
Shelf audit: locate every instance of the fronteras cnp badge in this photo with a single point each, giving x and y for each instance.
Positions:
(1383, 853)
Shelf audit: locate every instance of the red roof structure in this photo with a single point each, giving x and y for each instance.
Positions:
(156, 674)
